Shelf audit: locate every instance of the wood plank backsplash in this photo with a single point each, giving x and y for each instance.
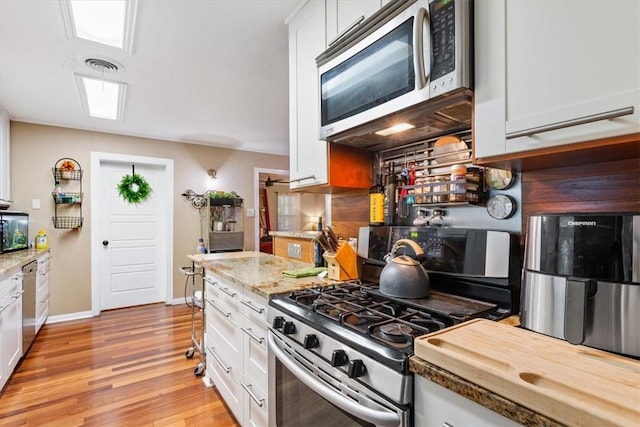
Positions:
(598, 187)
(349, 212)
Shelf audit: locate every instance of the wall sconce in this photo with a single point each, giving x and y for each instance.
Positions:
(212, 173)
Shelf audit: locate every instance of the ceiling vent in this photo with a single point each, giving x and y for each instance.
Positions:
(102, 65)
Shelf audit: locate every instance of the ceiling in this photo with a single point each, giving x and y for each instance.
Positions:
(210, 72)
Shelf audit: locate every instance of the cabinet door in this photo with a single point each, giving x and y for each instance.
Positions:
(307, 154)
(255, 405)
(343, 14)
(438, 406)
(11, 332)
(42, 291)
(542, 65)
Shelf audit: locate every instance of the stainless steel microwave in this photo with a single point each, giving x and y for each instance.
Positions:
(407, 54)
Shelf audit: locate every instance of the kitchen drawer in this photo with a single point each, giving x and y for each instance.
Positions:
(254, 347)
(224, 333)
(10, 283)
(42, 304)
(220, 311)
(227, 340)
(228, 386)
(255, 404)
(254, 307)
(224, 291)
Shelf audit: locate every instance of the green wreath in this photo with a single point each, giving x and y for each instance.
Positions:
(134, 188)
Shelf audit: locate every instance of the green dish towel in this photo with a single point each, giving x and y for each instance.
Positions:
(304, 272)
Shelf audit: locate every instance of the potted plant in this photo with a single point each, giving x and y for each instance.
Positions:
(222, 198)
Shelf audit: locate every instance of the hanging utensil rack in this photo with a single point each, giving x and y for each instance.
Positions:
(433, 186)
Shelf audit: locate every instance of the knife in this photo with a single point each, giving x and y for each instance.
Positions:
(333, 237)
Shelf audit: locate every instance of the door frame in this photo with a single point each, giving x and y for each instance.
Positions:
(256, 200)
(97, 158)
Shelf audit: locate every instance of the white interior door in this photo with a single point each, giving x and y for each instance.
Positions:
(130, 240)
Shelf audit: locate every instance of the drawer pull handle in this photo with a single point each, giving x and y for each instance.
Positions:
(247, 388)
(209, 281)
(607, 115)
(258, 310)
(3, 308)
(224, 313)
(228, 292)
(252, 335)
(215, 356)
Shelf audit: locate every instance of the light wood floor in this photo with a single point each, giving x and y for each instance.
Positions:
(124, 368)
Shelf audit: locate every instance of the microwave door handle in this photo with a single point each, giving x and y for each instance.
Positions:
(421, 28)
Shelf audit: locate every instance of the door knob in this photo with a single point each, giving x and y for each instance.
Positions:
(105, 243)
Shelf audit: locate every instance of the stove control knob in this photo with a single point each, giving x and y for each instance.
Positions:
(339, 358)
(278, 321)
(310, 341)
(288, 328)
(356, 368)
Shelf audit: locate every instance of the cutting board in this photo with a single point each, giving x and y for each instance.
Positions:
(575, 385)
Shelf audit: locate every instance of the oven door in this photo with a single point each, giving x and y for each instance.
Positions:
(303, 393)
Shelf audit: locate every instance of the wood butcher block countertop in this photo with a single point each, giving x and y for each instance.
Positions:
(261, 273)
(550, 380)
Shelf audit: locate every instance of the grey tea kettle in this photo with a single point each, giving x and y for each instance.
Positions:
(404, 276)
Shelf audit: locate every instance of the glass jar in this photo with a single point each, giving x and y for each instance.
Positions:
(458, 189)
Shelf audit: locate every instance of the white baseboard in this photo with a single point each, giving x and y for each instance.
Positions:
(86, 314)
(69, 316)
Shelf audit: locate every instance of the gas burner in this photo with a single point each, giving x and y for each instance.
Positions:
(396, 332)
(361, 320)
(335, 310)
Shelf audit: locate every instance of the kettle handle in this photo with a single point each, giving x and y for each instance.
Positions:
(417, 249)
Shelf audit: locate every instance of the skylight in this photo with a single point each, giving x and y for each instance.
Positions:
(106, 22)
(103, 99)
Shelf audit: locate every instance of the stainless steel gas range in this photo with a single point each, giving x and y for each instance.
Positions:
(340, 354)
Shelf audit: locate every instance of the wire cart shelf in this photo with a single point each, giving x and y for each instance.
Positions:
(196, 305)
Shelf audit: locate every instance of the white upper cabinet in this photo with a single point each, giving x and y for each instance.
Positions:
(311, 162)
(5, 166)
(307, 154)
(554, 73)
(344, 15)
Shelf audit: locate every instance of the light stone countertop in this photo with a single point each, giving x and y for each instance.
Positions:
(17, 259)
(259, 272)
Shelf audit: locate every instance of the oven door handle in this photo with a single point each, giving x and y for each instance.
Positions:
(379, 418)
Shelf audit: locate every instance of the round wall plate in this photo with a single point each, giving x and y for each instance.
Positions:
(498, 179)
(501, 206)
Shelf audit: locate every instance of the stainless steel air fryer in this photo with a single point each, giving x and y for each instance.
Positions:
(581, 280)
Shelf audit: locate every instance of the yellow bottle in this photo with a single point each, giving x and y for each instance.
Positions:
(41, 240)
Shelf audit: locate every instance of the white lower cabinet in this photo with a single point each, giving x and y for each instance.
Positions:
(10, 323)
(42, 290)
(236, 348)
(437, 406)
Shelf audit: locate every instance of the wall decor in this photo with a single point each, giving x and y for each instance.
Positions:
(134, 188)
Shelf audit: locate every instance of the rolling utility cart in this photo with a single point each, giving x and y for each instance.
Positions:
(197, 304)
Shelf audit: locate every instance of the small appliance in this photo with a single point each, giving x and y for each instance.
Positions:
(581, 279)
(410, 65)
